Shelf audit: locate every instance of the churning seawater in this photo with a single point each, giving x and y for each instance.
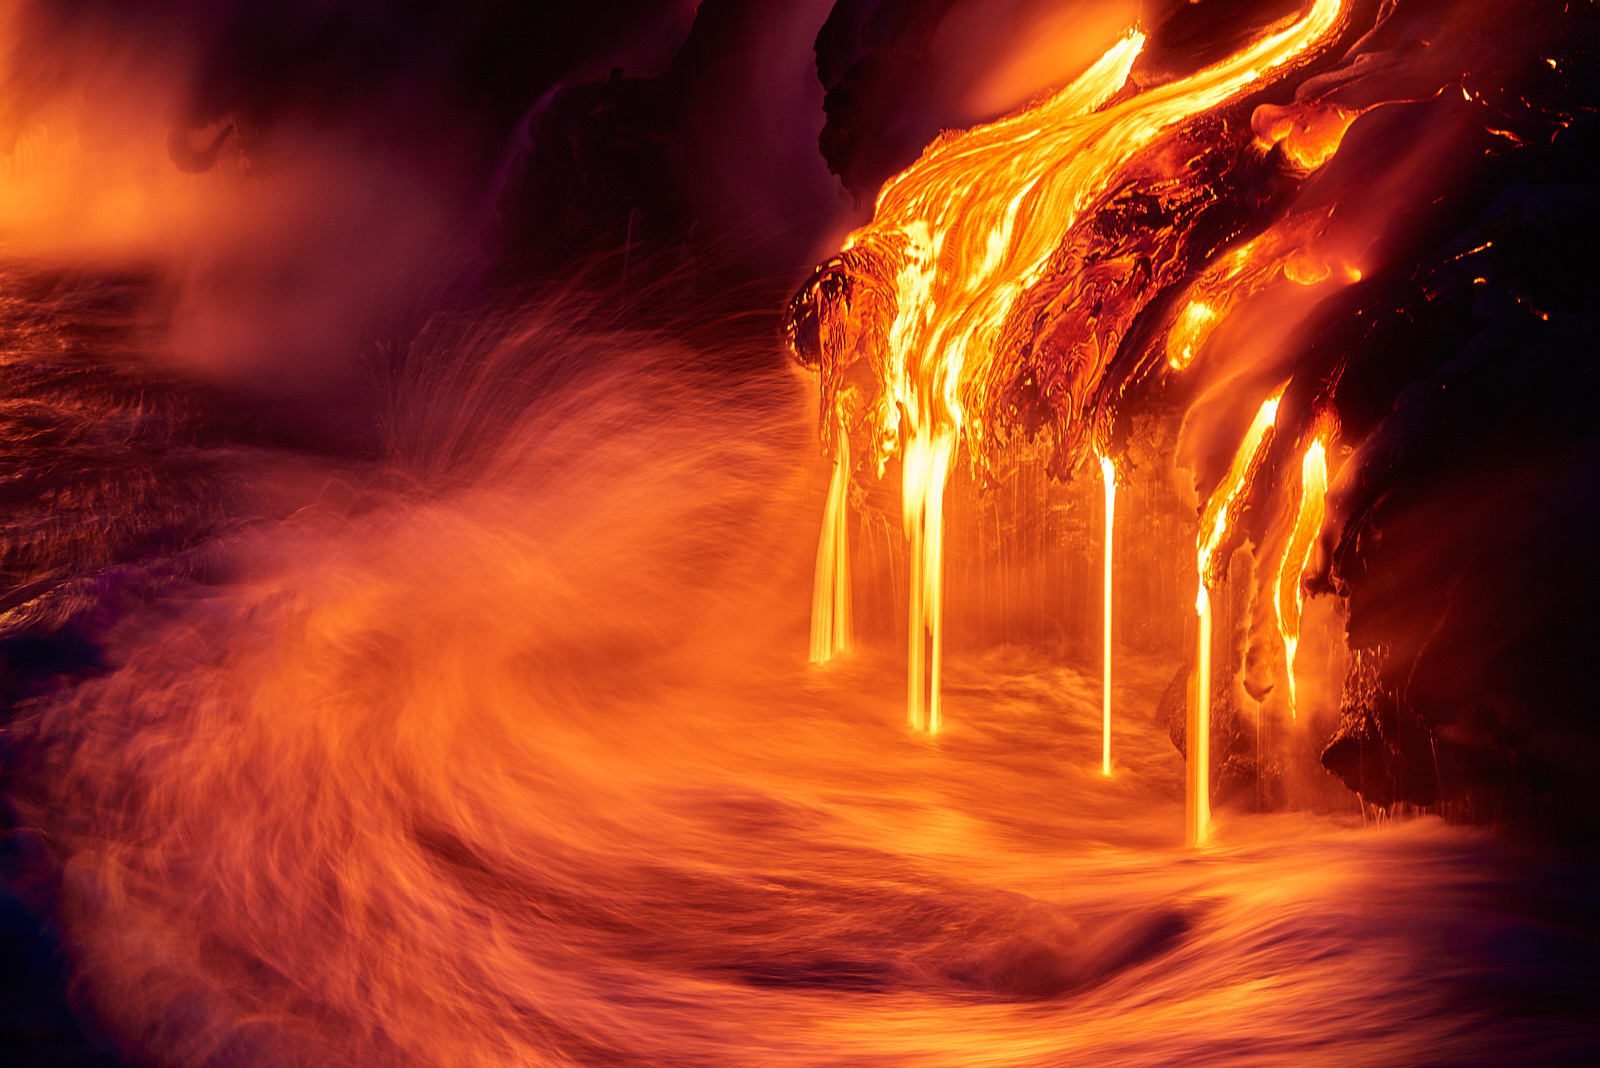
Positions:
(500, 747)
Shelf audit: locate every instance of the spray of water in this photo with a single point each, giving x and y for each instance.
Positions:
(512, 756)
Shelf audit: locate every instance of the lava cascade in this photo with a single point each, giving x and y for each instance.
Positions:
(942, 293)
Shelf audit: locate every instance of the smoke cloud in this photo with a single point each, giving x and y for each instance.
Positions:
(296, 170)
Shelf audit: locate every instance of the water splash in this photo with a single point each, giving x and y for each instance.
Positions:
(522, 765)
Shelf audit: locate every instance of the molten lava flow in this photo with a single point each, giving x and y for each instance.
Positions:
(1213, 529)
(1214, 520)
(1287, 597)
(1189, 333)
(1291, 250)
(1197, 778)
(830, 601)
(927, 468)
(1108, 472)
(958, 237)
(924, 293)
(1308, 134)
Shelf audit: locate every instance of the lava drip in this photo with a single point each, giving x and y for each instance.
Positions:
(1288, 597)
(1214, 525)
(830, 600)
(924, 476)
(1108, 473)
(1001, 273)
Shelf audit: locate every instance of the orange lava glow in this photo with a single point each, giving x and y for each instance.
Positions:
(1308, 134)
(524, 768)
(955, 243)
(1287, 594)
(927, 470)
(83, 180)
(1214, 527)
(1189, 333)
(1108, 473)
(488, 740)
(1214, 520)
(969, 227)
(830, 603)
(1290, 250)
(1197, 768)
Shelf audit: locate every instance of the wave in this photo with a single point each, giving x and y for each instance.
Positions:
(506, 751)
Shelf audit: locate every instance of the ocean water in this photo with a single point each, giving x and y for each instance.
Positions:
(496, 744)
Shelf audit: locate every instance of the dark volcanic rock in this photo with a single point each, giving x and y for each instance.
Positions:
(1183, 36)
(1473, 505)
(605, 171)
(709, 168)
(872, 57)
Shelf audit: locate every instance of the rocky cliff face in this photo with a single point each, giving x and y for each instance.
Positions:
(1460, 368)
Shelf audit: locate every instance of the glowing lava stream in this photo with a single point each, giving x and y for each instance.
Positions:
(1108, 472)
(970, 227)
(1213, 527)
(927, 470)
(830, 599)
(1287, 598)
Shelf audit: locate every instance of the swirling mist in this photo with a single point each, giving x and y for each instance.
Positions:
(504, 751)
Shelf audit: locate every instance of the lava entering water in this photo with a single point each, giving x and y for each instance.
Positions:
(492, 741)
(521, 768)
(935, 293)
